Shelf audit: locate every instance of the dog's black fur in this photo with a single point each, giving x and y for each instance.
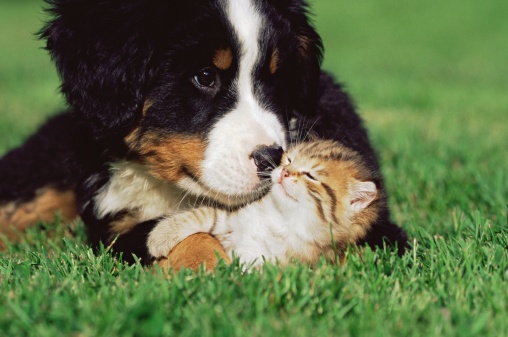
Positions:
(125, 69)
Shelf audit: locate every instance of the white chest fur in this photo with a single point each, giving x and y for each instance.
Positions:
(132, 188)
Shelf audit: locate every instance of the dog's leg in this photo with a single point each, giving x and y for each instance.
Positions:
(39, 178)
(194, 251)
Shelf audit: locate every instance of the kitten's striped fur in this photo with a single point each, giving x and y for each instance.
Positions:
(321, 188)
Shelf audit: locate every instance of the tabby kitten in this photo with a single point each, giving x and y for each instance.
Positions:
(322, 198)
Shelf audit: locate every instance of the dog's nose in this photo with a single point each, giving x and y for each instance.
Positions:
(266, 157)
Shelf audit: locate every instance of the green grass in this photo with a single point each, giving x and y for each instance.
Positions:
(429, 79)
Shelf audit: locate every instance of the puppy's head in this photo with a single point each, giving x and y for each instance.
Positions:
(193, 87)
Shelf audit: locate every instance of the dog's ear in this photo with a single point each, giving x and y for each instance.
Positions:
(102, 56)
(309, 49)
(281, 5)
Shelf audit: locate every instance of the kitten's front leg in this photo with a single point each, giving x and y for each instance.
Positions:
(175, 228)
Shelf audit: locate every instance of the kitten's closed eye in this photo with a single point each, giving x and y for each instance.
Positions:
(310, 176)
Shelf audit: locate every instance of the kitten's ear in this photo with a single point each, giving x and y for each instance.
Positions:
(363, 194)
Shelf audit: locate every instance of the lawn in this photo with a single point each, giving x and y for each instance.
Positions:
(430, 80)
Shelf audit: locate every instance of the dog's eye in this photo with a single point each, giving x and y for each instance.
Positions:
(206, 77)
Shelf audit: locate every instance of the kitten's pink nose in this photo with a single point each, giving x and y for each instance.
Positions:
(283, 174)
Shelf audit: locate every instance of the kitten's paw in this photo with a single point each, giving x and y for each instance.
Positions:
(249, 260)
(163, 238)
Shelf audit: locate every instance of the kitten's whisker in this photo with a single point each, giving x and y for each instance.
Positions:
(311, 128)
(269, 160)
(301, 127)
(185, 194)
(299, 131)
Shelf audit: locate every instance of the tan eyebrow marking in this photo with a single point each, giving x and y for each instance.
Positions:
(274, 61)
(148, 103)
(223, 59)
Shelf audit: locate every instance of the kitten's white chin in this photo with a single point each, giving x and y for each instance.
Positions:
(282, 195)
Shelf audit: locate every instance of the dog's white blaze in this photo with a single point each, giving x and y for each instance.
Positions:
(227, 168)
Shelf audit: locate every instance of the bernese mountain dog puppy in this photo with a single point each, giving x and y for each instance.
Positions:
(173, 104)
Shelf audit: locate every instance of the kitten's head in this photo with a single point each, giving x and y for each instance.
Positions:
(328, 184)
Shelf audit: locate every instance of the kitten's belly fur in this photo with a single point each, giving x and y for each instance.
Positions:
(259, 232)
(264, 233)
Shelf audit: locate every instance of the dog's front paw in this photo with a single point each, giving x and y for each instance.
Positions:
(163, 238)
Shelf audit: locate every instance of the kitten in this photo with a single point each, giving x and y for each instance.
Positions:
(322, 198)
